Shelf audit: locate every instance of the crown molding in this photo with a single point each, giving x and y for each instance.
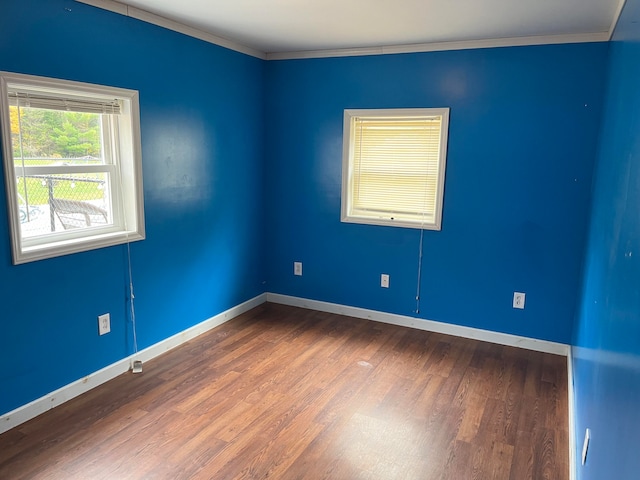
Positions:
(143, 15)
(442, 46)
(616, 17)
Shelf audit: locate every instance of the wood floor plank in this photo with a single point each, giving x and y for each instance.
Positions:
(288, 393)
(474, 406)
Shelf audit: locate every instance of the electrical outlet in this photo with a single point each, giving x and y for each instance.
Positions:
(518, 300)
(384, 280)
(297, 268)
(104, 324)
(585, 445)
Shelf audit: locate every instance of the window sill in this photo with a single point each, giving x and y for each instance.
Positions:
(387, 222)
(67, 247)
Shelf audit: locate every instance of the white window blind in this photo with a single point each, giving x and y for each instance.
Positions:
(63, 102)
(394, 167)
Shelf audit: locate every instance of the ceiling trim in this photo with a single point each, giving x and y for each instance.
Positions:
(438, 47)
(154, 19)
(616, 17)
(145, 16)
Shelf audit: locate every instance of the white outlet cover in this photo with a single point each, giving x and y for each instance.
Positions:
(104, 324)
(297, 268)
(518, 300)
(384, 280)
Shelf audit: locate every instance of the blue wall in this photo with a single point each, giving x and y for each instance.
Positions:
(607, 334)
(220, 200)
(522, 143)
(202, 188)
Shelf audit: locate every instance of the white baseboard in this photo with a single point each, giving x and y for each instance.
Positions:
(33, 409)
(421, 324)
(458, 331)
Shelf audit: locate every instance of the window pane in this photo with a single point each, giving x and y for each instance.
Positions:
(55, 137)
(396, 166)
(55, 203)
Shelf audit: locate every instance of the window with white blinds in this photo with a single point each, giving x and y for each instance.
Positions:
(393, 167)
(72, 163)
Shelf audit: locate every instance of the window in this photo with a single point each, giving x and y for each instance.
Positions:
(72, 165)
(393, 167)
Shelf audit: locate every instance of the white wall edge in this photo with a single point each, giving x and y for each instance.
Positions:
(572, 424)
(442, 46)
(422, 324)
(40, 405)
(148, 17)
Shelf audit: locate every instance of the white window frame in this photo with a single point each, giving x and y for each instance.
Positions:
(352, 215)
(122, 141)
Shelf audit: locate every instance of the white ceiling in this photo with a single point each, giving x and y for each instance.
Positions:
(279, 26)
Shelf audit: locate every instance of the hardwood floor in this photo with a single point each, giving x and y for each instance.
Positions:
(287, 393)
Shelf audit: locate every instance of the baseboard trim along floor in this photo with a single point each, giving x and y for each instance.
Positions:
(421, 324)
(33, 409)
(84, 384)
